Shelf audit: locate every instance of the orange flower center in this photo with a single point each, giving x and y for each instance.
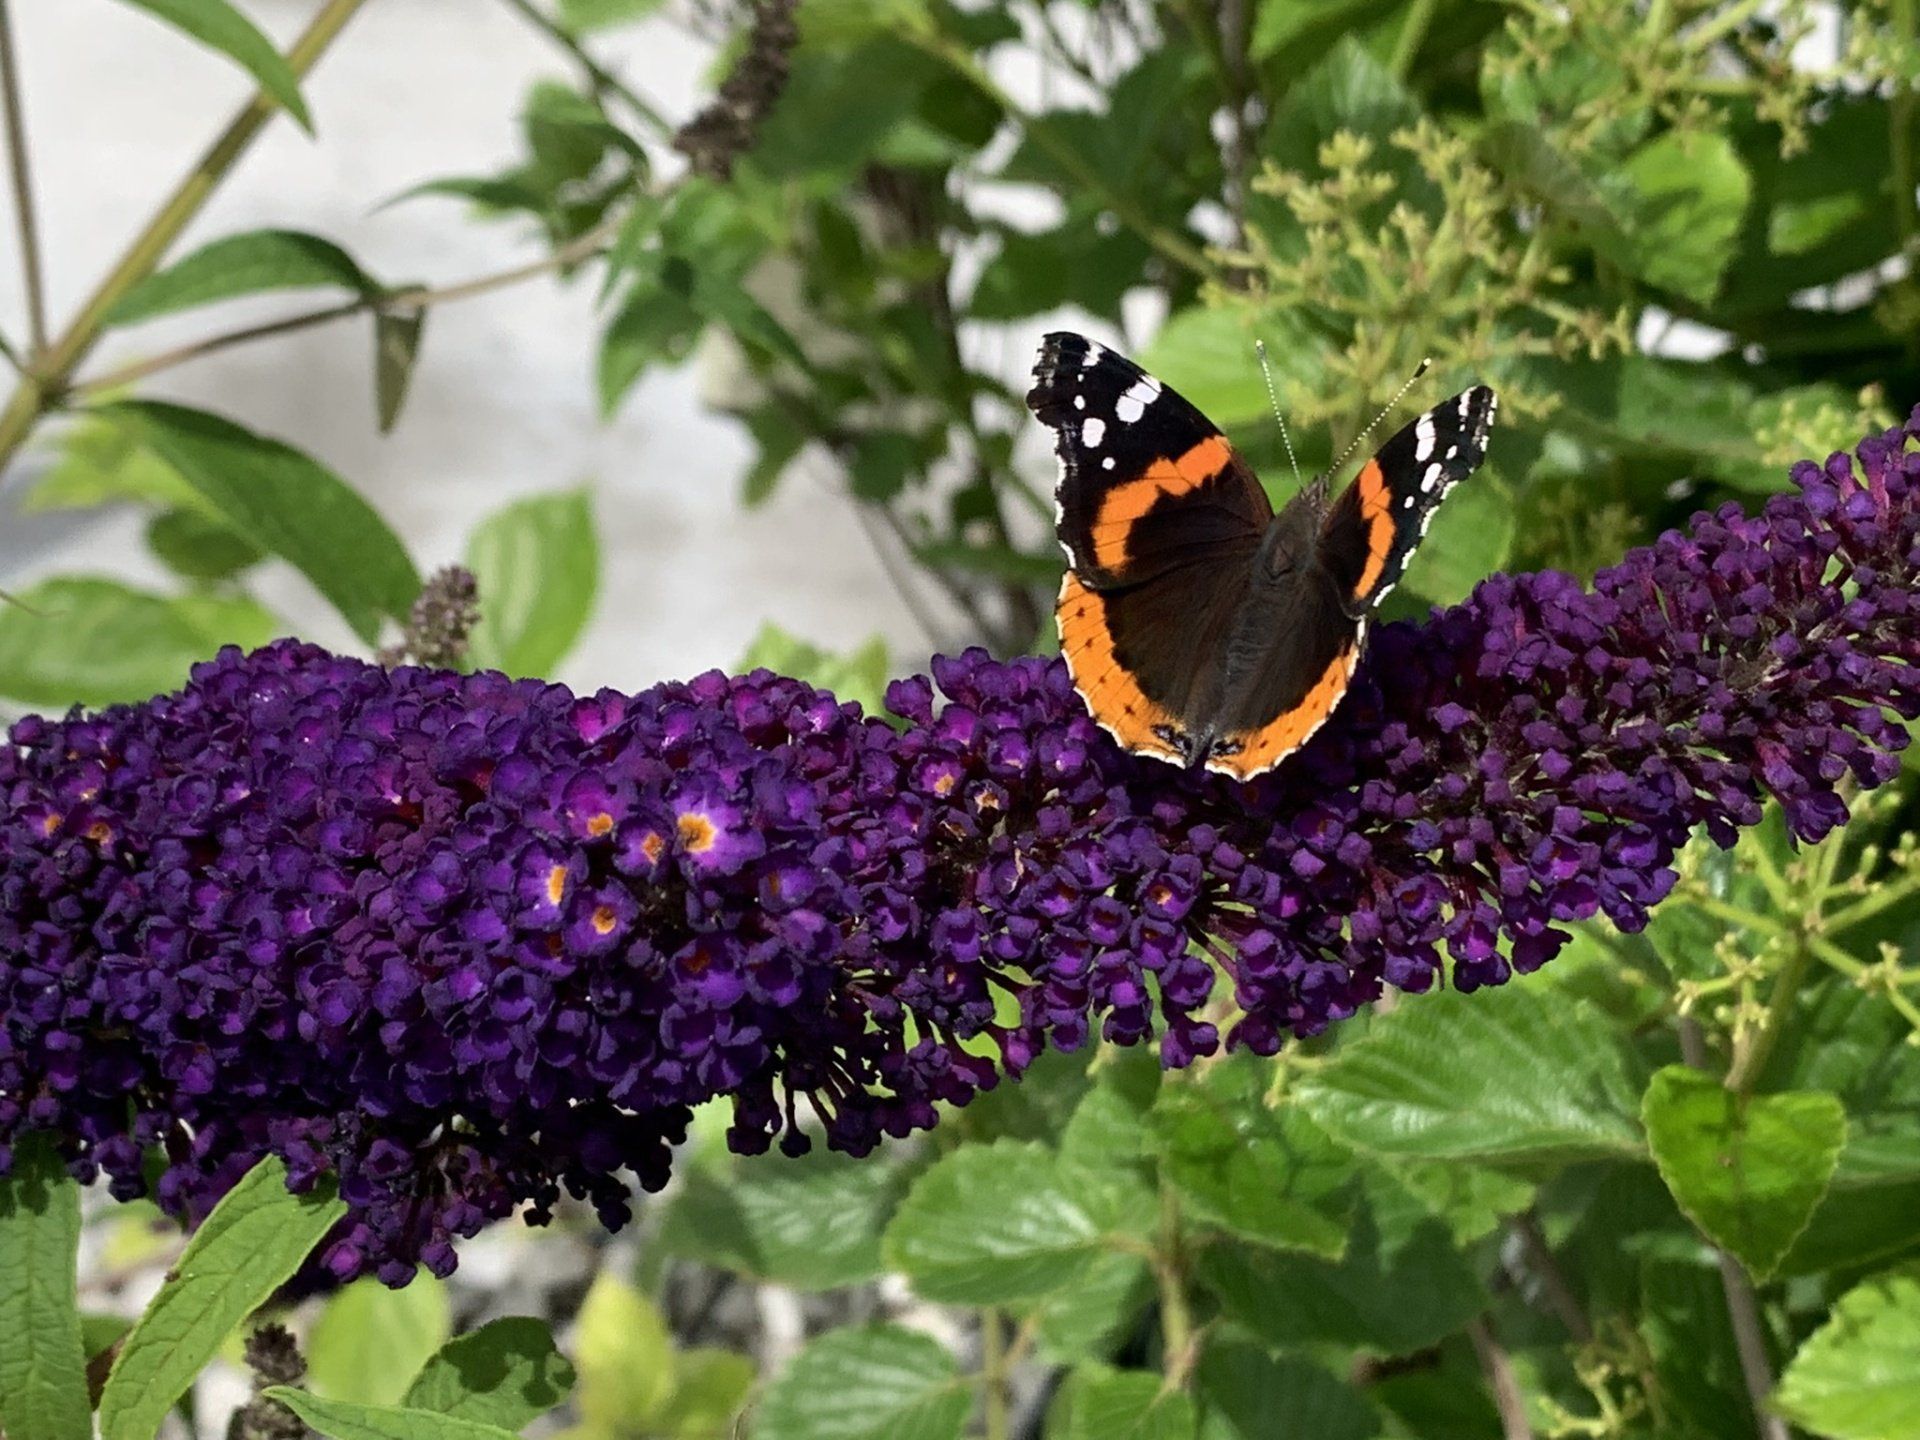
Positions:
(697, 833)
(603, 920)
(557, 884)
(599, 824)
(652, 846)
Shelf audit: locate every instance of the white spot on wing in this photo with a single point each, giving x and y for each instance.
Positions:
(1423, 437)
(1092, 431)
(1079, 402)
(1092, 357)
(1107, 464)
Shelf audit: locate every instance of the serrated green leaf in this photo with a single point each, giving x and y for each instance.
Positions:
(1683, 1318)
(1389, 1293)
(1749, 1171)
(198, 546)
(537, 562)
(1098, 1403)
(255, 1238)
(216, 24)
(286, 503)
(1247, 1394)
(1271, 1176)
(1513, 1074)
(396, 346)
(1093, 1317)
(1682, 198)
(1281, 23)
(988, 1224)
(370, 1340)
(1855, 1378)
(252, 263)
(813, 1223)
(504, 1373)
(349, 1420)
(623, 1356)
(878, 1382)
(1206, 353)
(84, 640)
(43, 1363)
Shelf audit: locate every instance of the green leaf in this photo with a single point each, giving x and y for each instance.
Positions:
(216, 24)
(998, 562)
(813, 1223)
(1279, 24)
(247, 264)
(995, 1223)
(370, 1340)
(1097, 1403)
(287, 504)
(350, 1420)
(1855, 1377)
(712, 1390)
(1092, 1318)
(1682, 198)
(878, 1382)
(1472, 538)
(396, 346)
(1683, 1319)
(1246, 1394)
(1514, 1074)
(84, 640)
(504, 1373)
(623, 1355)
(709, 1398)
(1348, 90)
(255, 1238)
(1795, 227)
(102, 463)
(655, 323)
(1393, 1291)
(1271, 1176)
(1206, 353)
(537, 562)
(197, 546)
(1750, 1171)
(43, 1365)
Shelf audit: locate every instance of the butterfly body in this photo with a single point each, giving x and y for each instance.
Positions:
(1202, 628)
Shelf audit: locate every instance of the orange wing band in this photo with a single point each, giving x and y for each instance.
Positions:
(1376, 509)
(1262, 749)
(1113, 696)
(1125, 505)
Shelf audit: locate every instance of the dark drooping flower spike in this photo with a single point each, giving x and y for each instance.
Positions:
(466, 941)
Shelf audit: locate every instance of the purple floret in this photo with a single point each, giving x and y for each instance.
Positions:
(464, 942)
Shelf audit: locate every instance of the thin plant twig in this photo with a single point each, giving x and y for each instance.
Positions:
(54, 368)
(24, 215)
(583, 246)
(1498, 1368)
(603, 80)
(1553, 1282)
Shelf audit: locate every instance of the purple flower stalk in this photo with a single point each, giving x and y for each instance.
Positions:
(464, 941)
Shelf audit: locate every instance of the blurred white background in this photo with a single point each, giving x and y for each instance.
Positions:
(502, 402)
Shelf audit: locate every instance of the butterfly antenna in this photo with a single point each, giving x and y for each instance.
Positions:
(1260, 349)
(1385, 411)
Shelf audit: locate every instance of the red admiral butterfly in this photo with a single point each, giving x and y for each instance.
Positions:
(1200, 627)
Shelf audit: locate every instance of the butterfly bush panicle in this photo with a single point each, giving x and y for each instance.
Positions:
(469, 943)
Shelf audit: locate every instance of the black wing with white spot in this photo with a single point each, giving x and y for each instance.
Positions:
(1372, 530)
(1147, 483)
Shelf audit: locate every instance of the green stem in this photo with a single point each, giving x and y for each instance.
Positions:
(1413, 33)
(1723, 24)
(1735, 914)
(33, 275)
(1176, 1313)
(1903, 114)
(1890, 893)
(603, 80)
(993, 1373)
(54, 368)
(1751, 1060)
(962, 62)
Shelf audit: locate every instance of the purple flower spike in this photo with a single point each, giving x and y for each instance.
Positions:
(467, 942)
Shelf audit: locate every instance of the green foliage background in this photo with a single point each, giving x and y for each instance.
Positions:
(1668, 1188)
